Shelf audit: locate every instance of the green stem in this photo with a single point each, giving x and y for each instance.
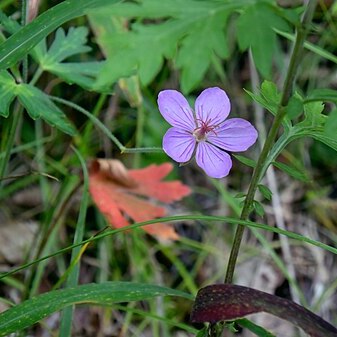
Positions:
(72, 279)
(139, 133)
(9, 132)
(41, 164)
(104, 129)
(85, 139)
(257, 175)
(12, 123)
(206, 218)
(36, 76)
(24, 17)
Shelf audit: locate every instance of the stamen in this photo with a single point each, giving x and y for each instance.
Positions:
(205, 127)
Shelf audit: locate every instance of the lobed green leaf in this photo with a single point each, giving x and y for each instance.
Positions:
(295, 106)
(269, 98)
(38, 104)
(255, 31)
(330, 127)
(63, 47)
(66, 45)
(7, 92)
(211, 40)
(192, 30)
(21, 42)
(82, 73)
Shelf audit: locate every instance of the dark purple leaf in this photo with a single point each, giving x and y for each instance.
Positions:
(227, 302)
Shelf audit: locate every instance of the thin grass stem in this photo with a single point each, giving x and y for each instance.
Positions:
(105, 130)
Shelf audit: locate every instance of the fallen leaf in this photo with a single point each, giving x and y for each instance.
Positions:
(228, 302)
(123, 195)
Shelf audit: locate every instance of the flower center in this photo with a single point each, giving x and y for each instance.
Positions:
(200, 133)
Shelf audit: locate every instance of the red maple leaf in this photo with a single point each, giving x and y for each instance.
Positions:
(123, 195)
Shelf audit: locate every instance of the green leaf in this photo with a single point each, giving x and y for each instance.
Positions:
(304, 129)
(231, 326)
(295, 106)
(211, 39)
(240, 195)
(140, 50)
(320, 136)
(314, 108)
(33, 310)
(86, 71)
(65, 46)
(9, 24)
(20, 43)
(203, 332)
(255, 31)
(193, 28)
(291, 171)
(315, 124)
(256, 329)
(313, 114)
(7, 92)
(260, 100)
(265, 191)
(83, 73)
(310, 46)
(269, 96)
(244, 160)
(330, 127)
(329, 95)
(258, 208)
(38, 104)
(228, 302)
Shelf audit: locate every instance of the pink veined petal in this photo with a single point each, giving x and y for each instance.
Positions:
(212, 105)
(235, 135)
(179, 144)
(213, 161)
(175, 109)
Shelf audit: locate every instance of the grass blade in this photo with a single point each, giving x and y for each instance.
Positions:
(20, 43)
(33, 310)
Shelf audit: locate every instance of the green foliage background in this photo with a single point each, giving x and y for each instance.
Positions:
(87, 74)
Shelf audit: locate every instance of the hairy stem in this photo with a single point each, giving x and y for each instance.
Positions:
(295, 59)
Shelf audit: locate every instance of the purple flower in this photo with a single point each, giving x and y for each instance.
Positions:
(204, 133)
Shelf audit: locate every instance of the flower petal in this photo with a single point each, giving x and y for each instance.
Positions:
(175, 109)
(235, 134)
(215, 162)
(212, 105)
(179, 144)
